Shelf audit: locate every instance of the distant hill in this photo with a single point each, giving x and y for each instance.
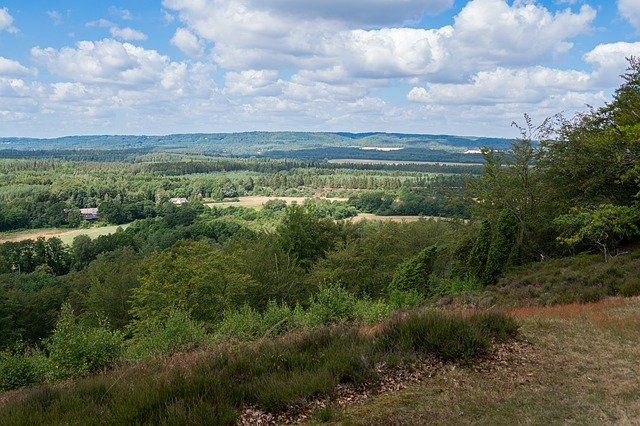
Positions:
(396, 146)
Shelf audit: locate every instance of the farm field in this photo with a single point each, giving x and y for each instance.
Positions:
(258, 201)
(367, 161)
(575, 363)
(66, 235)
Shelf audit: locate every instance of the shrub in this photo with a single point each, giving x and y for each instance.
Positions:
(496, 325)
(405, 298)
(162, 337)
(630, 288)
(370, 311)
(413, 274)
(453, 285)
(332, 304)
(19, 370)
(450, 338)
(75, 349)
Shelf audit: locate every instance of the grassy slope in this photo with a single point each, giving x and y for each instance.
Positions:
(580, 365)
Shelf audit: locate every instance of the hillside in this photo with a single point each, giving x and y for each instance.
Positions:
(278, 144)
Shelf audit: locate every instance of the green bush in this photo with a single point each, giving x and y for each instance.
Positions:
(332, 304)
(413, 274)
(450, 338)
(453, 285)
(76, 349)
(630, 288)
(21, 369)
(405, 298)
(162, 337)
(370, 311)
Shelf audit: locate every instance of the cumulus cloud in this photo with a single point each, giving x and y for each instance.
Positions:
(11, 68)
(127, 33)
(609, 61)
(485, 34)
(630, 9)
(253, 83)
(6, 21)
(502, 85)
(106, 61)
(188, 42)
(492, 31)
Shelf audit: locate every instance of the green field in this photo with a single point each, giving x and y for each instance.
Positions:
(66, 235)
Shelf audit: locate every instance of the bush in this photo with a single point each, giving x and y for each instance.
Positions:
(76, 350)
(630, 288)
(163, 337)
(453, 285)
(370, 311)
(450, 338)
(332, 304)
(19, 370)
(405, 298)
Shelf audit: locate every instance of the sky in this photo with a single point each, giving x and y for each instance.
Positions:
(462, 67)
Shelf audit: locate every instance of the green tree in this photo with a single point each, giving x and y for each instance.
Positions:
(192, 277)
(604, 227)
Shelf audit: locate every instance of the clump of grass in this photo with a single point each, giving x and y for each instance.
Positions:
(273, 374)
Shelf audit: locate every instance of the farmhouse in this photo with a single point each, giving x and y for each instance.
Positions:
(178, 201)
(90, 213)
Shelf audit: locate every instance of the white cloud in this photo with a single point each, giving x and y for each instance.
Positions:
(610, 61)
(491, 31)
(121, 13)
(521, 86)
(101, 23)
(11, 68)
(486, 33)
(127, 34)
(630, 9)
(6, 21)
(106, 61)
(253, 83)
(55, 16)
(188, 42)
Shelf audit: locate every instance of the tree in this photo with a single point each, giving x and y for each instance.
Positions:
(604, 227)
(192, 277)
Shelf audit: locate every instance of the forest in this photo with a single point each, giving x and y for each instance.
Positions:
(199, 275)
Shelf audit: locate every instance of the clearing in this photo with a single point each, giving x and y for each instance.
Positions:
(430, 163)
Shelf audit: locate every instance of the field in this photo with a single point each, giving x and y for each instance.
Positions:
(575, 363)
(367, 161)
(258, 201)
(66, 235)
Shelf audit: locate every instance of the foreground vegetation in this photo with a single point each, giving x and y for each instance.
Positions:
(215, 385)
(576, 363)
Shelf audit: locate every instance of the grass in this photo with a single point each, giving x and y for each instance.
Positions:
(66, 235)
(581, 279)
(213, 386)
(580, 366)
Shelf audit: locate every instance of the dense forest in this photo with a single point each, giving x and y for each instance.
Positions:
(180, 276)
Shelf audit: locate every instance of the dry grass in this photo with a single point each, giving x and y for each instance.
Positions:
(578, 365)
(66, 235)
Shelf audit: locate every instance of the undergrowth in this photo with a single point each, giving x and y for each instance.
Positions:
(274, 374)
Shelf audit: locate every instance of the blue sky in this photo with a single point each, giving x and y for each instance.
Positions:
(467, 67)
